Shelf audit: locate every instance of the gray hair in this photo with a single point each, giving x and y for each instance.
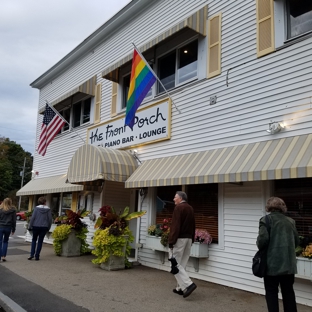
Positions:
(275, 204)
(182, 195)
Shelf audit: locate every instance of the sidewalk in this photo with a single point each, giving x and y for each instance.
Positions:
(75, 284)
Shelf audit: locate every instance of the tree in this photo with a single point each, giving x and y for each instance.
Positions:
(12, 157)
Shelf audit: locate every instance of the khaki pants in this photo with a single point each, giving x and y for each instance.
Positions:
(182, 251)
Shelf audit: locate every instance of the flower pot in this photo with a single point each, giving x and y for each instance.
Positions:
(71, 246)
(304, 267)
(114, 262)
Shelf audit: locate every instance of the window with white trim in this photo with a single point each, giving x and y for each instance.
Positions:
(178, 66)
(292, 21)
(81, 113)
(77, 115)
(299, 17)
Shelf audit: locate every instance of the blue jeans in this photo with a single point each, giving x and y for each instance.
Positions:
(4, 240)
(38, 234)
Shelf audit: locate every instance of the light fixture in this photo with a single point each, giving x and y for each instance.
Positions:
(275, 127)
(185, 51)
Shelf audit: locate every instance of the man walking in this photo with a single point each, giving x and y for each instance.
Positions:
(181, 237)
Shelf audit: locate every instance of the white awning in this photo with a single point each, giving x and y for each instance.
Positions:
(56, 184)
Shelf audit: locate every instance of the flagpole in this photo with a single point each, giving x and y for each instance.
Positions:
(56, 112)
(156, 76)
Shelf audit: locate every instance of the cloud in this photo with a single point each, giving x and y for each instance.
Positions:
(35, 35)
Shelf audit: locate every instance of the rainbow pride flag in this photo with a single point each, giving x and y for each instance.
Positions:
(141, 80)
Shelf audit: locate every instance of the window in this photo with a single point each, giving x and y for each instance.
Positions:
(66, 203)
(299, 17)
(81, 112)
(86, 202)
(297, 194)
(178, 66)
(66, 114)
(292, 21)
(202, 197)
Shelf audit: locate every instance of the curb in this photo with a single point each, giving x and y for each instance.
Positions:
(9, 305)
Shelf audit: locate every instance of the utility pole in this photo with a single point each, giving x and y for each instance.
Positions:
(22, 174)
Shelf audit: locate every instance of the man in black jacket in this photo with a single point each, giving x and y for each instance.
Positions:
(181, 237)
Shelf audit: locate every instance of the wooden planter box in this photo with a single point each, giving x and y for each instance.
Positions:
(304, 267)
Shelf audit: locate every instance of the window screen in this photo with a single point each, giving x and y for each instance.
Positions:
(297, 195)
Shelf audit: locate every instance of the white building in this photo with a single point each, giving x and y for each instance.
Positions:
(234, 70)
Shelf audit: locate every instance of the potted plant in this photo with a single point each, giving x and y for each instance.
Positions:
(69, 237)
(112, 238)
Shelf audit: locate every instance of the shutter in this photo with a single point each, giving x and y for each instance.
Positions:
(214, 45)
(265, 27)
(30, 203)
(74, 201)
(202, 197)
(114, 99)
(98, 102)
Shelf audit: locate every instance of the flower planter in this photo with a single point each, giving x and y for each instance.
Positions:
(71, 246)
(304, 267)
(153, 242)
(197, 251)
(114, 262)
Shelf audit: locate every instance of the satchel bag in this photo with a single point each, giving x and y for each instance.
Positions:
(259, 261)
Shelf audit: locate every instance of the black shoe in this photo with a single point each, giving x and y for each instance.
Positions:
(3, 259)
(179, 292)
(37, 259)
(29, 258)
(189, 290)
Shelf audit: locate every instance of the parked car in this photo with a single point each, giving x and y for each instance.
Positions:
(21, 215)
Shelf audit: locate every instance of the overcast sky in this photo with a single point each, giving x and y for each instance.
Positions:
(35, 35)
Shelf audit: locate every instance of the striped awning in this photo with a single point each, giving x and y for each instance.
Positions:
(84, 89)
(196, 22)
(91, 163)
(55, 184)
(269, 160)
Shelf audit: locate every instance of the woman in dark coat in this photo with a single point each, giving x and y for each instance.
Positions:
(281, 256)
(7, 225)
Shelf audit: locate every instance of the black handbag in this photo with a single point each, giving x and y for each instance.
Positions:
(259, 261)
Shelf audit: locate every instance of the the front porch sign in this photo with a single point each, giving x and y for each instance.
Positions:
(152, 123)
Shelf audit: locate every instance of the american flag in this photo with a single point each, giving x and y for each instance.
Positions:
(51, 125)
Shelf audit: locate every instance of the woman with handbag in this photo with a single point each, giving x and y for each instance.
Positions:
(281, 241)
(7, 225)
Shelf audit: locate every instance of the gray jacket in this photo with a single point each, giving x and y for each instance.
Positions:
(41, 217)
